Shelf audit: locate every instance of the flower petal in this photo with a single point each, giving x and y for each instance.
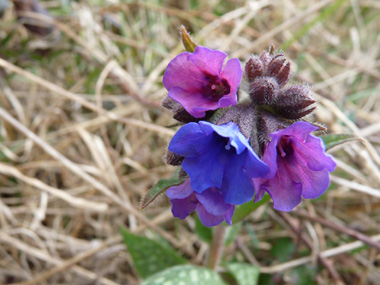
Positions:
(231, 131)
(207, 219)
(237, 187)
(232, 72)
(270, 157)
(207, 170)
(181, 191)
(208, 60)
(181, 208)
(181, 72)
(299, 130)
(228, 215)
(285, 193)
(213, 201)
(190, 140)
(194, 102)
(254, 166)
(313, 152)
(314, 183)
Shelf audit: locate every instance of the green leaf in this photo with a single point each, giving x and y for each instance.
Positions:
(149, 256)
(283, 249)
(304, 275)
(161, 187)
(244, 210)
(185, 275)
(333, 140)
(203, 232)
(245, 274)
(232, 233)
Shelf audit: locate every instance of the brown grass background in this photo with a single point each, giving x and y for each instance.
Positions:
(83, 136)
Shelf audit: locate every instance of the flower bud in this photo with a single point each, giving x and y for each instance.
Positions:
(265, 59)
(264, 90)
(254, 68)
(173, 158)
(187, 41)
(243, 115)
(267, 123)
(279, 70)
(292, 103)
(179, 113)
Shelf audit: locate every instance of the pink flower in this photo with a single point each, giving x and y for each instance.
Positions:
(298, 167)
(199, 82)
(210, 205)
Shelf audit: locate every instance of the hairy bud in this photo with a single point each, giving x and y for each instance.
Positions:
(173, 159)
(254, 68)
(267, 123)
(179, 113)
(293, 102)
(279, 69)
(264, 90)
(265, 58)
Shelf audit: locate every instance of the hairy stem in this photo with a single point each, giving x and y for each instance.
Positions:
(216, 247)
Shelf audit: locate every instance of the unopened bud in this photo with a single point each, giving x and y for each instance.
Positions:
(267, 123)
(265, 59)
(187, 41)
(254, 68)
(279, 70)
(173, 158)
(292, 103)
(263, 91)
(179, 113)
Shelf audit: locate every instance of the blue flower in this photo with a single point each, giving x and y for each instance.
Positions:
(210, 205)
(299, 167)
(221, 157)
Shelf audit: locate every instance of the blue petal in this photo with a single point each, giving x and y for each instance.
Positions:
(207, 170)
(181, 208)
(183, 202)
(190, 140)
(181, 191)
(237, 187)
(254, 166)
(231, 131)
(207, 219)
(212, 200)
(228, 215)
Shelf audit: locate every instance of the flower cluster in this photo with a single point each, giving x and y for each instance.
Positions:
(231, 152)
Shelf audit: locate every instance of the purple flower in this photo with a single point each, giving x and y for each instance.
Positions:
(210, 205)
(197, 81)
(299, 167)
(218, 156)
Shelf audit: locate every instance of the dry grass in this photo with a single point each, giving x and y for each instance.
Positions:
(83, 136)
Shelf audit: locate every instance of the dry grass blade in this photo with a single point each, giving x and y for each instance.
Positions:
(80, 100)
(83, 136)
(74, 201)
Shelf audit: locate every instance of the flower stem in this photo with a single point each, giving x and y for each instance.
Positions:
(216, 247)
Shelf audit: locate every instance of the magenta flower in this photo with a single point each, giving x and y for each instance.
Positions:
(210, 205)
(197, 81)
(299, 167)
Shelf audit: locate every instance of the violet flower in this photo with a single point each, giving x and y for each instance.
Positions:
(210, 205)
(218, 156)
(299, 167)
(197, 81)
